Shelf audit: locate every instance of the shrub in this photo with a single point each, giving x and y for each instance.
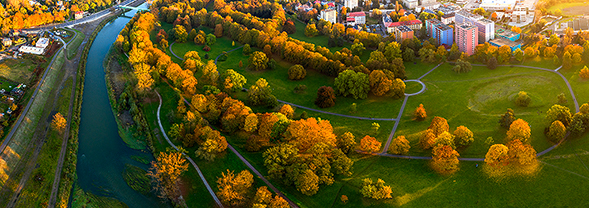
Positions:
(325, 97)
(206, 48)
(523, 99)
(584, 73)
(300, 89)
(296, 72)
(400, 146)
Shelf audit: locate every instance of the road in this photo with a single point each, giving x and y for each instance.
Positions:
(185, 155)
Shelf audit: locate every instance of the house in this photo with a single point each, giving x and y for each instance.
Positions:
(403, 33)
(494, 5)
(413, 24)
(411, 4)
(448, 18)
(359, 17)
(79, 14)
(329, 15)
(31, 50)
(6, 42)
(351, 3)
(42, 43)
(351, 21)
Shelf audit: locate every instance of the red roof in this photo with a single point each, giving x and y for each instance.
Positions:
(356, 14)
(350, 19)
(79, 12)
(331, 4)
(397, 24)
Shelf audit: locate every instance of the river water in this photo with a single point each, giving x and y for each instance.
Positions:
(102, 154)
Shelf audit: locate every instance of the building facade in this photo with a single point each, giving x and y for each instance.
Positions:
(351, 3)
(467, 38)
(403, 33)
(411, 4)
(448, 18)
(444, 35)
(329, 15)
(359, 17)
(486, 28)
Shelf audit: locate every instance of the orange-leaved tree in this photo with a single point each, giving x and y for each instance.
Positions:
(166, 172)
(519, 129)
(445, 159)
(308, 132)
(420, 113)
(234, 189)
(439, 125)
(59, 122)
(400, 146)
(369, 144)
(497, 155)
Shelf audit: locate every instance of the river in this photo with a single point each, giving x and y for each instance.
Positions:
(102, 154)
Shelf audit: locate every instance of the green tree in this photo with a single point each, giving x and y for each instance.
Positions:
(358, 48)
(562, 99)
(409, 55)
(555, 60)
(375, 190)
(567, 61)
(556, 131)
(462, 66)
(454, 52)
(350, 83)
(192, 35)
(259, 93)
(258, 61)
(247, 49)
(307, 183)
(392, 51)
(519, 55)
(211, 39)
(523, 99)
(398, 88)
(558, 112)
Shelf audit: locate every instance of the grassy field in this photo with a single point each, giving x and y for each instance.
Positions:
(574, 8)
(89, 200)
(18, 70)
(72, 47)
(477, 100)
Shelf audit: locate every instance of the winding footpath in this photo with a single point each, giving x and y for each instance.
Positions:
(185, 155)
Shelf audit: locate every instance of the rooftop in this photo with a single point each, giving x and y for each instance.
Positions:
(469, 15)
(448, 15)
(467, 26)
(507, 33)
(434, 21)
(443, 27)
(356, 14)
(404, 28)
(502, 41)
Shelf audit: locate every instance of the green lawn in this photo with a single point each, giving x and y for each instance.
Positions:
(18, 70)
(477, 100)
(72, 47)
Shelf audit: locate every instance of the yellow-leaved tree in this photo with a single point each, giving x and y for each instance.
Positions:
(166, 172)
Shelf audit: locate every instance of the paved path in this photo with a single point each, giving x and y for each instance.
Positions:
(423, 87)
(62, 154)
(390, 139)
(185, 155)
(221, 53)
(337, 114)
(171, 51)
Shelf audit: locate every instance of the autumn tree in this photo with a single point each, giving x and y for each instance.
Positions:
(518, 54)
(262, 197)
(296, 72)
(375, 190)
(462, 66)
(497, 155)
(287, 110)
(523, 154)
(144, 79)
(420, 113)
(346, 142)
(357, 48)
(507, 118)
(556, 131)
(523, 99)
(426, 139)
(463, 136)
(210, 39)
(260, 93)
(584, 72)
(325, 97)
(233, 189)
(210, 75)
(379, 83)
(165, 173)
(246, 50)
(258, 61)
(59, 123)
(558, 112)
(492, 63)
(213, 144)
(439, 125)
(445, 159)
(251, 123)
(218, 30)
(233, 81)
(308, 132)
(399, 146)
(369, 144)
(519, 130)
(180, 33)
(351, 83)
(397, 88)
(311, 30)
(567, 61)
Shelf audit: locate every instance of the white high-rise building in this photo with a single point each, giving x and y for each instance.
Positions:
(329, 15)
(351, 3)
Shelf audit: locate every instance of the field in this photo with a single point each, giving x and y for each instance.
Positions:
(576, 8)
(18, 70)
(72, 47)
